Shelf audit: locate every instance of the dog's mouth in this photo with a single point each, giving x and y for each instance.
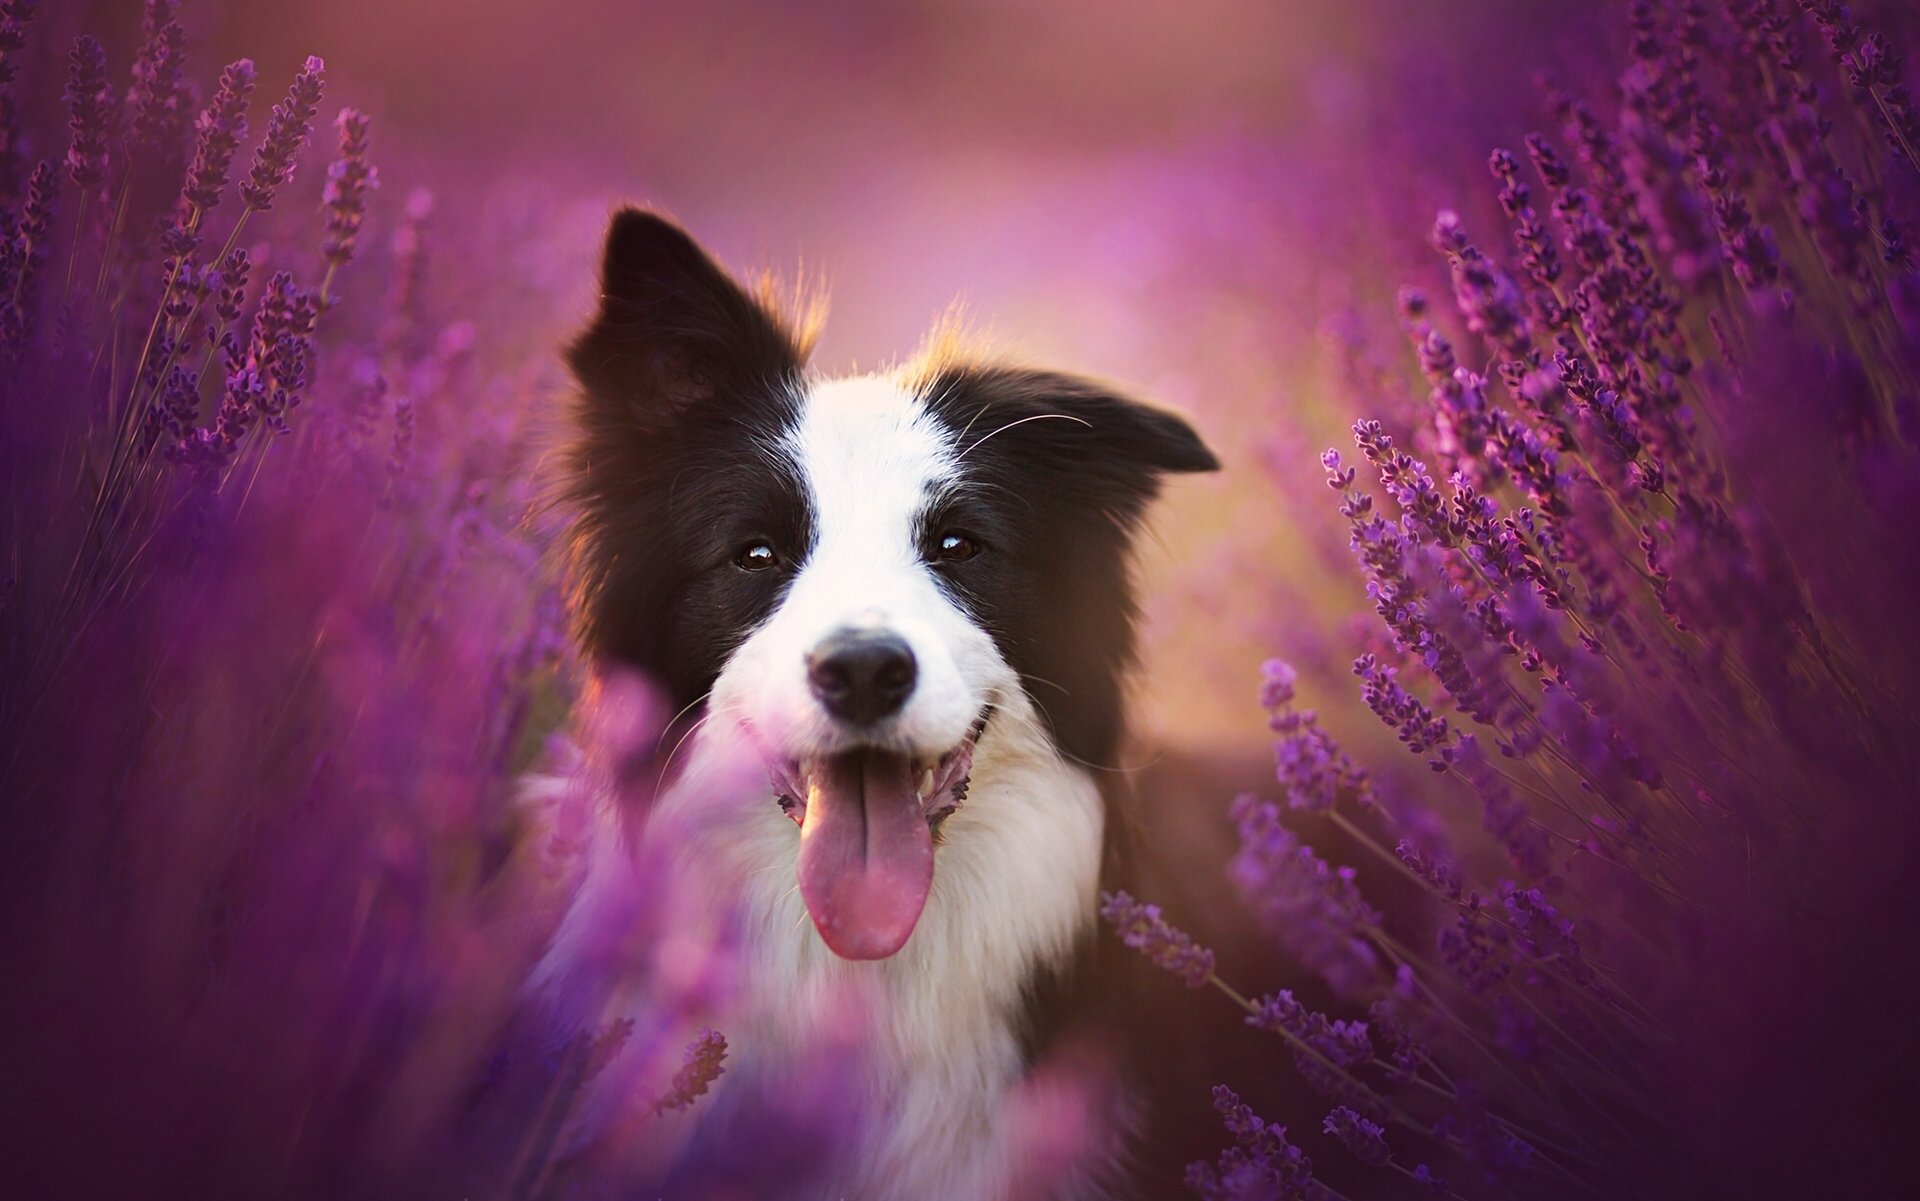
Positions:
(868, 820)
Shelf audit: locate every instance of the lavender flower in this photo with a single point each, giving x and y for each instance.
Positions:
(1365, 1139)
(1749, 245)
(277, 349)
(228, 285)
(1417, 726)
(1346, 1045)
(1262, 1164)
(286, 136)
(1435, 874)
(1309, 765)
(349, 179)
(1141, 927)
(159, 93)
(90, 112)
(15, 16)
(1390, 1021)
(1875, 66)
(1474, 952)
(222, 126)
(1499, 1155)
(1435, 1183)
(26, 253)
(1277, 680)
(701, 1066)
(1486, 295)
(1314, 910)
(1528, 846)
(400, 453)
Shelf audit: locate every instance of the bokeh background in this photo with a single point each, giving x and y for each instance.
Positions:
(1199, 204)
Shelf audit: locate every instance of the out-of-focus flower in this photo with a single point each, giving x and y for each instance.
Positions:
(701, 1066)
(159, 95)
(1141, 927)
(1365, 1139)
(89, 113)
(1313, 909)
(349, 178)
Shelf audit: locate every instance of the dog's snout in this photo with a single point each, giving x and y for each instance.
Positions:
(862, 676)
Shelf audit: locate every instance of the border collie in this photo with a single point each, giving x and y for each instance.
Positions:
(895, 613)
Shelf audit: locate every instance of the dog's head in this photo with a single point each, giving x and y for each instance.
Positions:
(858, 574)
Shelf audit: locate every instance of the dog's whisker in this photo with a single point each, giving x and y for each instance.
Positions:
(1011, 424)
(684, 710)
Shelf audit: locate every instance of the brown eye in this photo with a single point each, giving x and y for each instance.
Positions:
(956, 548)
(756, 556)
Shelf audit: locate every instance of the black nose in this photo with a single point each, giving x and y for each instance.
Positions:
(862, 676)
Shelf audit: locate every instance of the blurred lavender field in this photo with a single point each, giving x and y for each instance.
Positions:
(1621, 544)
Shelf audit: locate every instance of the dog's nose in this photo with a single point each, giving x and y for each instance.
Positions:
(861, 676)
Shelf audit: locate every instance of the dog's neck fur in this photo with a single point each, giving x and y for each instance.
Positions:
(941, 1027)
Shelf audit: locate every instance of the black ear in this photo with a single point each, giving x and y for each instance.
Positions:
(1081, 433)
(674, 330)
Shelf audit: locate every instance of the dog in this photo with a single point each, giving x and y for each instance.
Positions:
(895, 616)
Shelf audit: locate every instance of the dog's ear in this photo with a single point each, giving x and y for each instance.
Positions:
(674, 331)
(1096, 442)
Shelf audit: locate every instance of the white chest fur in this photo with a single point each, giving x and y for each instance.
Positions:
(931, 1033)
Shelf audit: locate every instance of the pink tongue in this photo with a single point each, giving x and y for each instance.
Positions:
(866, 856)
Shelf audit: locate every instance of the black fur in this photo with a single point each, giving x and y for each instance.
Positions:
(686, 380)
(1059, 470)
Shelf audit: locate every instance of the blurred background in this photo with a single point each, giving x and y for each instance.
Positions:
(1201, 204)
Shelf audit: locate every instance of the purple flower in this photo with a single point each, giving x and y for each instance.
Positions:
(1528, 846)
(1328, 1054)
(1314, 910)
(1518, 1032)
(15, 15)
(1277, 681)
(1749, 245)
(400, 453)
(1417, 726)
(277, 348)
(1439, 876)
(349, 178)
(1474, 952)
(1346, 1045)
(1390, 1019)
(700, 1067)
(159, 94)
(24, 255)
(1307, 762)
(1487, 296)
(1538, 254)
(1141, 927)
(228, 284)
(1482, 1140)
(286, 136)
(1364, 1138)
(1261, 1165)
(1875, 66)
(89, 112)
(221, 128)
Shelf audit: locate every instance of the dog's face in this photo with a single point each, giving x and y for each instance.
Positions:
(858, 574)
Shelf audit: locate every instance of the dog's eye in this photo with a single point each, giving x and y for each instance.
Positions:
(956, 547)
(756, 556)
